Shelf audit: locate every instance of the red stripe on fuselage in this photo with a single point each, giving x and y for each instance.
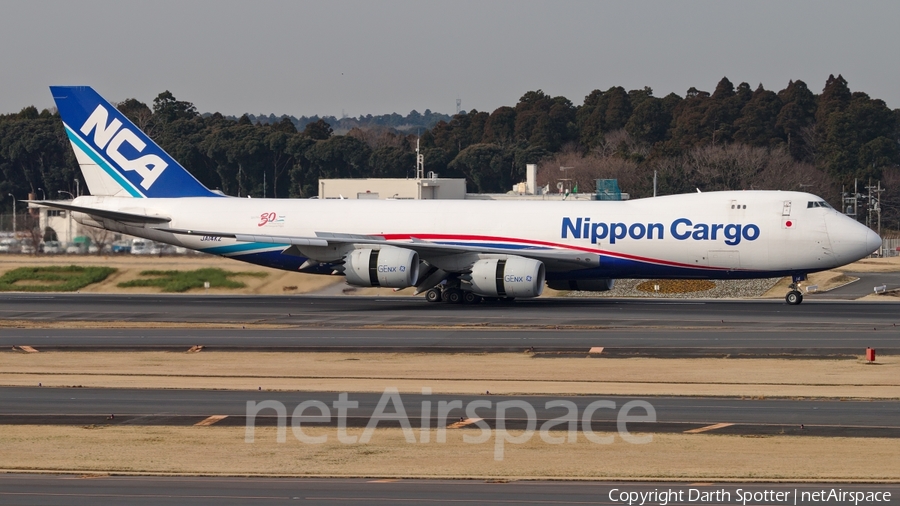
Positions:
(490, 238)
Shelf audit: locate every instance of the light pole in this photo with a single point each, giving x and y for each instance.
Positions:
(69, 215)
(43, 195)
(77, 187)
(566, 179)
(14, 214)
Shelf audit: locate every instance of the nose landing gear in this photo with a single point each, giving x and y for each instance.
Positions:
(795, 296)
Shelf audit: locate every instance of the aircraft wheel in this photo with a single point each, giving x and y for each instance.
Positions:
(454, 296)
(471, 298)
(433, 295)
(794, 297)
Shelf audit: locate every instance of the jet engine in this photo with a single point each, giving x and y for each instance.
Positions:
(509, 277)
(388, 267)
(586, 285)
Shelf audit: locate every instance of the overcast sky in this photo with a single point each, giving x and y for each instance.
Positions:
(376, 57)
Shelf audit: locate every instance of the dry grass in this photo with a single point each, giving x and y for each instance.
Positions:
(826, 280)
(222, 451)
(456, 373)
(888, 264)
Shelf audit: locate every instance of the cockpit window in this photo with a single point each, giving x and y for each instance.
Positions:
(817, 203)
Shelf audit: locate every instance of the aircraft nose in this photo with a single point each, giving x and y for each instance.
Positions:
(873, 240)
(850, 240)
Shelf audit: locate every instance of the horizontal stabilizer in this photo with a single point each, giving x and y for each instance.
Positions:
(102, 213)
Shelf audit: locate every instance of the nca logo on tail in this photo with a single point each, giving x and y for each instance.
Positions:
(112, 138)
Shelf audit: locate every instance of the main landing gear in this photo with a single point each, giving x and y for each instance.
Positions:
(795, 296)
(450, 291)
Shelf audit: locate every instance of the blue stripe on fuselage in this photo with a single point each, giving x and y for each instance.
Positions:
(245, 247)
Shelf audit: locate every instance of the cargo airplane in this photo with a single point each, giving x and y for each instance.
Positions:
(456, 251)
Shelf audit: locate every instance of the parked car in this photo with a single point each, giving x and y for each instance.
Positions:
(76, 249)
(121, 247)
(9, 245)
(141, 247)
(52, 248)
(27, 248)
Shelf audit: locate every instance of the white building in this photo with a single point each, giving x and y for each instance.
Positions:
(67, 229)
(384, 188)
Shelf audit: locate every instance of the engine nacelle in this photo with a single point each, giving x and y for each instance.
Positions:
(510, 277)
(388, 267)
(586, 285)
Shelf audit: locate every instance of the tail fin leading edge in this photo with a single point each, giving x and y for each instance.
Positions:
(115, 156)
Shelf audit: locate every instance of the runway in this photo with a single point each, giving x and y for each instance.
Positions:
(664, 328)
(64, 490)
(616, 342)
(401, 312)
(141, 407)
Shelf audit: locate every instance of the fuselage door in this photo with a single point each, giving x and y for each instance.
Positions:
(729, 259)
(786, 210)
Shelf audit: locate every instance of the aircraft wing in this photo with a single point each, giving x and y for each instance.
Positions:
(554, 259)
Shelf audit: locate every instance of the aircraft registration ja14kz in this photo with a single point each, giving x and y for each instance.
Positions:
(454, 251)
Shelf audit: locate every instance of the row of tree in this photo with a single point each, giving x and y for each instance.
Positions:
(412, 122)
(732, 138)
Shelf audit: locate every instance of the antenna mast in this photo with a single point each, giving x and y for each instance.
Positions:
(420, 162)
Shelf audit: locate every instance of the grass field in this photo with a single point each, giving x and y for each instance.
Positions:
(182, 281)
(54, 278)
(256, 279)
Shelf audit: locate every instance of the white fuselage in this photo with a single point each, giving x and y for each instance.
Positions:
(736, 234)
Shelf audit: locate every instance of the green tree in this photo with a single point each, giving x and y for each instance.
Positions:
(340, 156)
(722, 110)
(757, 125)
(796, 117)
(390, 161)
(482, 165)
(688, 121)
(500, 127)
(303, 183)
(601, 113)
(318, 131)
(649, 122)
(166, 108)
(835, 98)
(544, 121)
(138, 113)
